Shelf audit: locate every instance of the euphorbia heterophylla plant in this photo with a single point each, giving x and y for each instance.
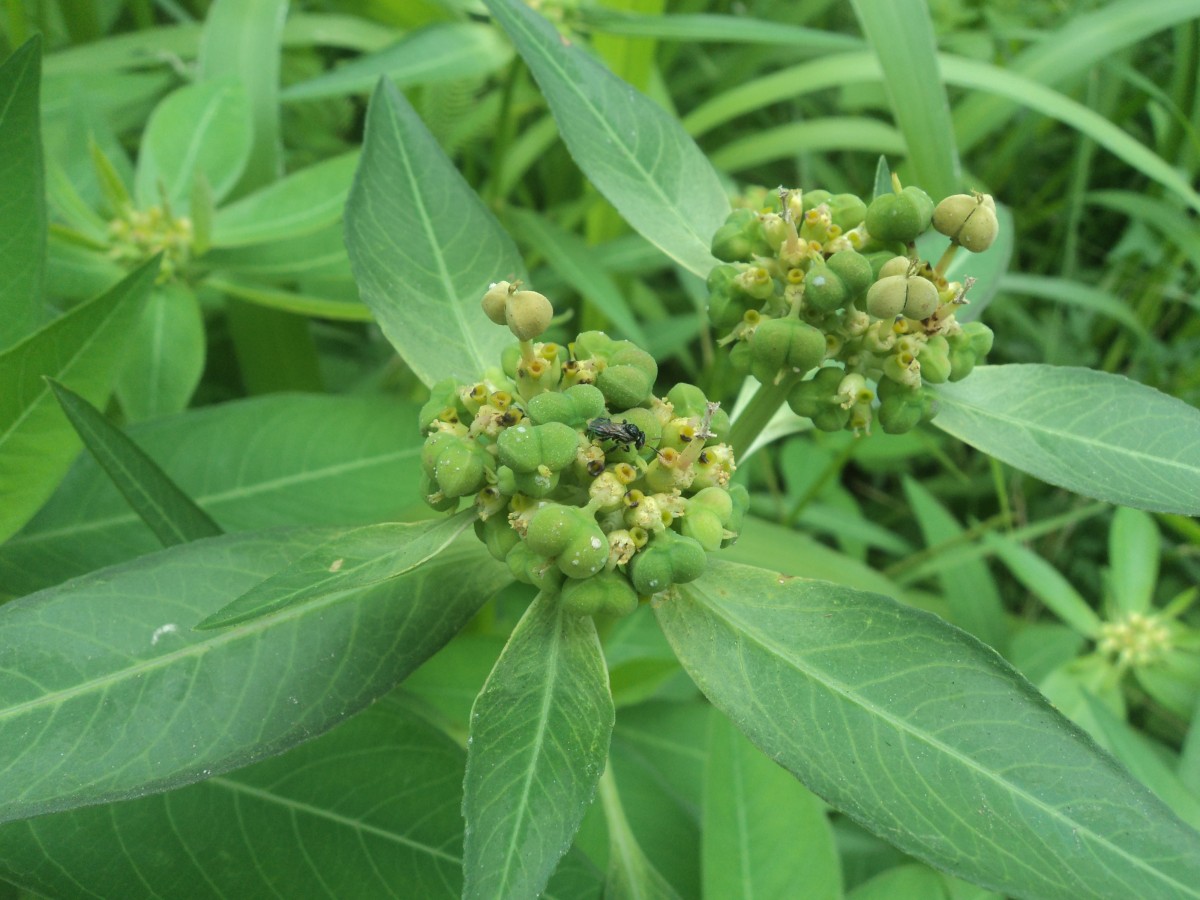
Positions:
(142, 706)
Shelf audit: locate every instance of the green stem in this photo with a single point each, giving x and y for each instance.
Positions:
(944, 263)
(758, 412)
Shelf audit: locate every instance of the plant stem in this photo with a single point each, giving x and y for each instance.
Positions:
(758, 413)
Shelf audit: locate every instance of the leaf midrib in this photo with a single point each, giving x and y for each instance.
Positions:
(904, 727)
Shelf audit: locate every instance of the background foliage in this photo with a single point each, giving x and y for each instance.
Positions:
(246, 353)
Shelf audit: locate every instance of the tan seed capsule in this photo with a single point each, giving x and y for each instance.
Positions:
(528, 314)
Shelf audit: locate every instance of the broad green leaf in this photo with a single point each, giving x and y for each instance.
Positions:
(539, 739)
(318, 254)
(901, 35)
(299, 204)
(1097, 434)
(105, 679)
(423, 246)
(82, 349)
(1046, 583)
(250, 464)
(168, 511)
(203, 127)
(354, 559)
(1146, 761)
(765, 836)
(970, 592)
(577, 265)
(443, 51)
(925, 736)
(635, 153)
(165, 358)
(369, 810)
(23, 199)
(242, 42)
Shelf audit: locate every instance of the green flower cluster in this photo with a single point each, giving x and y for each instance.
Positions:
(587, 485)
(824, 292)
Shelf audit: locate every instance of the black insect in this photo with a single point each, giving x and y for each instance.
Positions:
(603, 429)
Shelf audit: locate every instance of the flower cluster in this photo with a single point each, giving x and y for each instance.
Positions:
(825, 292)
(587, 485)
(138, 234)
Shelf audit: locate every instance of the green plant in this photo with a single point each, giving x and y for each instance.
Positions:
(145, 701)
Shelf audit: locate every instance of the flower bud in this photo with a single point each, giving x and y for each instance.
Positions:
(443, 401)
(528, 314)
(899, 217)
(935, 360)
(968, 220)
(784, 345)
(606, 593)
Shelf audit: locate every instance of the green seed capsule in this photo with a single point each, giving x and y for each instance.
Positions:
(780, 345)
(824, 290)
(921, 299)
(885, 299)
(605, 593)
(528, 314)
(968, 220)
(495, 300)
(899, 217)
(854, 269)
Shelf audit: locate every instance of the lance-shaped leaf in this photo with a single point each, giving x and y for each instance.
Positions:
(166, 353)
(423, 246)
(635, 153)
(168, 511)
(23, 200)
(764, 834)
(251, 464)
(82, 349)
(927, 737)
(106, 692)
(539, 739)
(1097, 434)
(355, 559)
(372, 808)
(203, 127)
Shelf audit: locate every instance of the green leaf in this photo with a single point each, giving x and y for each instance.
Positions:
(820, 134)
(718, 29)
(290, 301)
(423, 246)
(250, 464)
(105, 679)
(764, 834)
(1097, 434)
(203, 127)
(539, 739)
(901, 34)
(82, 349)
(168, 511)
(1134, 549)
(242, 41)
(354, 559)
(1047, 584)
(372, 810)
(925, 736)
(166, 353)
(299, 204)
(970, 592)
(443, 51)
(23, 200)
(635, 153)
(631, 875)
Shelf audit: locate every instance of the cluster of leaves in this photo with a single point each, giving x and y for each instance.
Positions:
(175, 258)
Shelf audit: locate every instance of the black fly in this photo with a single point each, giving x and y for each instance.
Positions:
(603, 429)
